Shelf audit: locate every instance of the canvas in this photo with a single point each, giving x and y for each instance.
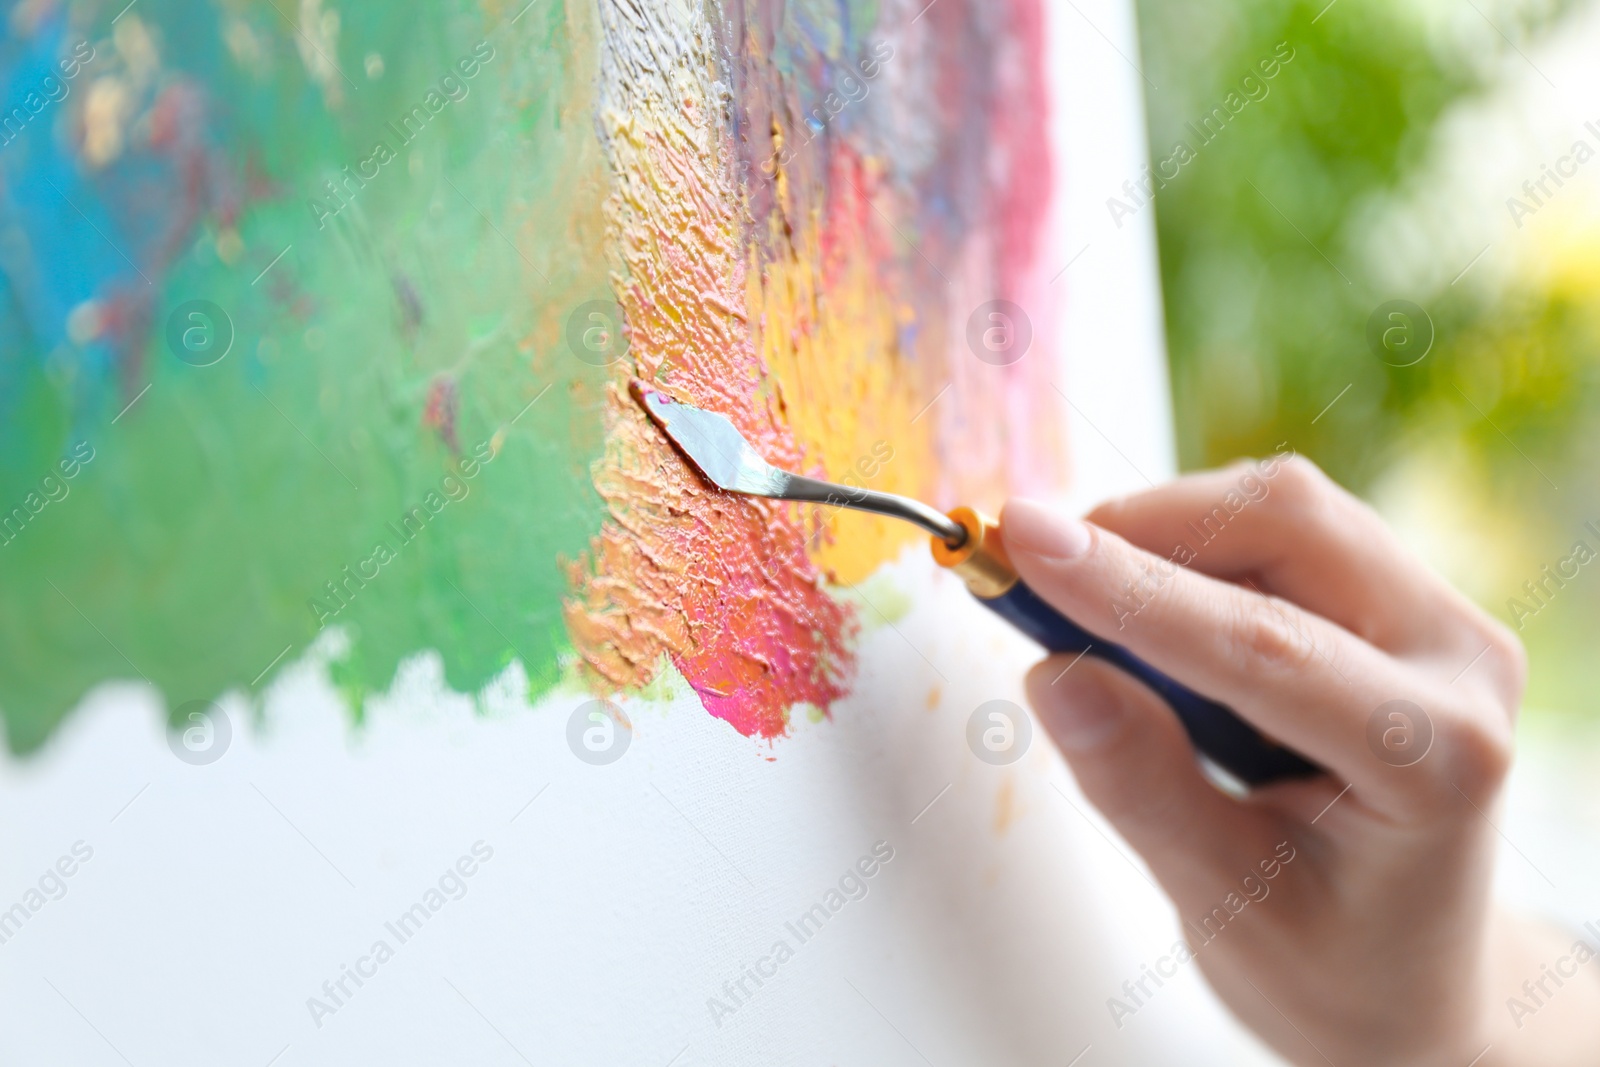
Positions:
(392, 689)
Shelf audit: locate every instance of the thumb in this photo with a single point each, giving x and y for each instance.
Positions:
(1134, 762)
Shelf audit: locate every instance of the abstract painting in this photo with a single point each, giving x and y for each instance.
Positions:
(317, 322)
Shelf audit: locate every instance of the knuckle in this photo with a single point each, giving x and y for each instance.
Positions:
(1264, 637)
(1301, 481)
(1508, 664)
(1298, 490)
(1481, 747)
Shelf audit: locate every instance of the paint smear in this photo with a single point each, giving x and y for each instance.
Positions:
(721, 584)
(799, 247)
(396, 208)
(393, 315)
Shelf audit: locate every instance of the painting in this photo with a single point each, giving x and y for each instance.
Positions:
(321, 319)
(378, 684)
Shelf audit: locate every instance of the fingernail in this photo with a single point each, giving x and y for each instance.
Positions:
(1029, 526)
(1085, 720)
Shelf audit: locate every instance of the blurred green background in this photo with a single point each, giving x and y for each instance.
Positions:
(1374, 167)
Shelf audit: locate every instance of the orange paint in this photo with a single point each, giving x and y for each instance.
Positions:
(720, 584)
(780, 265)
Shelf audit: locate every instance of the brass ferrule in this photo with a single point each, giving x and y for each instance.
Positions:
(981, 561)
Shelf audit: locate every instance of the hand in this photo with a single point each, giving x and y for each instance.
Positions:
(1346, 919)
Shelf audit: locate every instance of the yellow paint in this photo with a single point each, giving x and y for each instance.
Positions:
(839, 379)
(721, 583)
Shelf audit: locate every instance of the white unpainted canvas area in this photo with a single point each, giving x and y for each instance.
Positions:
(608, 906)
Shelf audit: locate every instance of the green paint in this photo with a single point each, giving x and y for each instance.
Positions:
(189, 550)
(882, 599)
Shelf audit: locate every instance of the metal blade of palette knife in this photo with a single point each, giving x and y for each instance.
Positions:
(712, 443)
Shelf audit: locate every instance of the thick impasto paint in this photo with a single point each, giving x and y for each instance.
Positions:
(301, 296)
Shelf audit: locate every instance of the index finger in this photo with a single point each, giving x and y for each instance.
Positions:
(1285, 525)
(1298, 678)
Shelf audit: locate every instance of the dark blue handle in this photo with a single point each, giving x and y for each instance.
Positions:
(1222, 736)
